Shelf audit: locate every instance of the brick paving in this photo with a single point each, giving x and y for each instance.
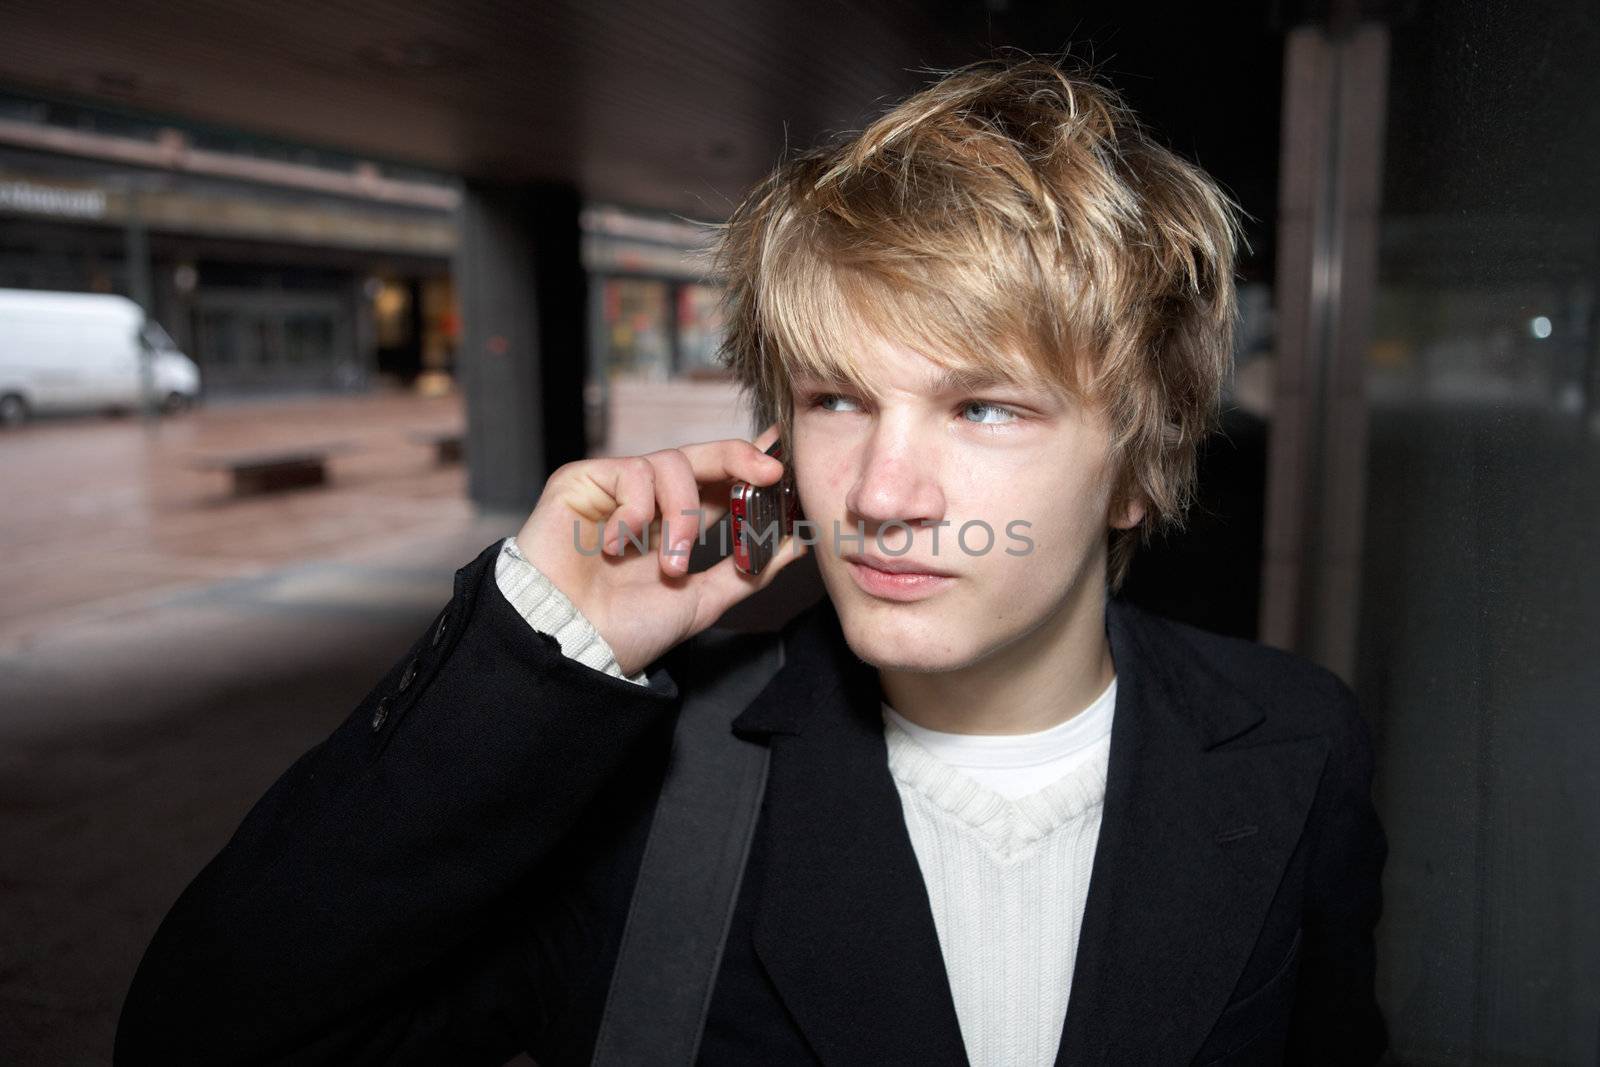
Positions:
(101, 513)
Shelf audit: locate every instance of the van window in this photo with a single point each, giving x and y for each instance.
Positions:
(153, 337)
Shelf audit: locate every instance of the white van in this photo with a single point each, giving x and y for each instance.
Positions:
(82, 352)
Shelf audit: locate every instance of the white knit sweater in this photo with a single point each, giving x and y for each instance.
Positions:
(549, 611)
(1004, 830)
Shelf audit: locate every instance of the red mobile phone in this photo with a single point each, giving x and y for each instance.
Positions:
(761, 516)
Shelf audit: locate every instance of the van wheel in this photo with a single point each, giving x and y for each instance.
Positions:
(175, 403)
(14, 410)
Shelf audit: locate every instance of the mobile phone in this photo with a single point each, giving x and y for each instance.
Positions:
(761, 516)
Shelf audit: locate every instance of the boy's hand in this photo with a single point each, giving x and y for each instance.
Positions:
(644, 604)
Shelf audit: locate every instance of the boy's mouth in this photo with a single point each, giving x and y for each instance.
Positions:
(896, 579)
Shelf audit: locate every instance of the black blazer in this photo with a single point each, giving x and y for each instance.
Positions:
(445, 879)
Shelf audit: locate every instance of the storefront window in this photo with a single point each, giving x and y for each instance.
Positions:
(699, 330)
(637, 328)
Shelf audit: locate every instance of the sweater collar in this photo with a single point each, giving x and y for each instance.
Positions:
(818, 659)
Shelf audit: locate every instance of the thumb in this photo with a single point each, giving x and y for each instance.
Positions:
(723, 585)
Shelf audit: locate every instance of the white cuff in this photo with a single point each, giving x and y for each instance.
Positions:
(548, 610)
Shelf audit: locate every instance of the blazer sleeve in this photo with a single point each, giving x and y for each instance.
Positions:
(1336, 1018)
(367, 908)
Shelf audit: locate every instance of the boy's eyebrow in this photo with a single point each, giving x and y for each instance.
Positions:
(817, 381)
(948, 380)
(955, 380)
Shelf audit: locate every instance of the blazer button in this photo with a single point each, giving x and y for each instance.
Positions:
(380, 714)
(438, 631)
(409, 675)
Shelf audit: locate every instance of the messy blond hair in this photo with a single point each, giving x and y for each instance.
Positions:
(1011, 218)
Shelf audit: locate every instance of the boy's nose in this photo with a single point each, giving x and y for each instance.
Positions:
(897, 481)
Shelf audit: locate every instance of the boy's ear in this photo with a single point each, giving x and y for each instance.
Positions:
(1128, 515)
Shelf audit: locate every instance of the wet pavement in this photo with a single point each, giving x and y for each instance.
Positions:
(100, 514)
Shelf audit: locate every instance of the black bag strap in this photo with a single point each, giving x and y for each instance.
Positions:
(693, 864)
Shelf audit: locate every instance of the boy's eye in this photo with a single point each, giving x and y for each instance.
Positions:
(973, 411)
(979, 412)
(834, 402)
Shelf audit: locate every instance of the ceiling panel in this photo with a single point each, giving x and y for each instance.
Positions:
(674, 104)
(678, 105)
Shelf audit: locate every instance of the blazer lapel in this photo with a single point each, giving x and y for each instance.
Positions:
(1201, 816)
(844, 927)
(1202, 812)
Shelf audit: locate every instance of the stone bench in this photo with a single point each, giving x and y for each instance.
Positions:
(271, 471)
(448, 445)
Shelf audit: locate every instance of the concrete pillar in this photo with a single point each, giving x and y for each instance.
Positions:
(523, 304)
(1335, 84)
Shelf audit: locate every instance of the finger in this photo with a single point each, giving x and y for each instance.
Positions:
(714, 496)
(631, 482)
(679, 498)
(722, 586)
(732, 460)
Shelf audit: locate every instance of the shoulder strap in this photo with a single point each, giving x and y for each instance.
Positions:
(693, 864)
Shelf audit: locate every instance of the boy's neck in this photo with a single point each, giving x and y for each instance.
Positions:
(1036, 682)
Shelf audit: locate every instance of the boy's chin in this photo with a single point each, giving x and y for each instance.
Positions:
(902, 648)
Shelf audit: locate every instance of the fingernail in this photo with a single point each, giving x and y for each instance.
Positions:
(680, 554)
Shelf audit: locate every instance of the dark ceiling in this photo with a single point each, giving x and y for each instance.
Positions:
(675, 104)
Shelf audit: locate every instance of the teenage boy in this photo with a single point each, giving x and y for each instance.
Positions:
(1008, 818)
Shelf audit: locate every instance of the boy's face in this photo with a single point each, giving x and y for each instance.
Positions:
(1019, 467)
